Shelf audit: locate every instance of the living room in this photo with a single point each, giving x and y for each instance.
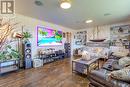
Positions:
(65, 43)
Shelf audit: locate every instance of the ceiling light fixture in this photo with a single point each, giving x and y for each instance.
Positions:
(65, 4)
(88, 21)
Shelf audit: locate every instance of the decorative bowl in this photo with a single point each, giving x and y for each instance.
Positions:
(98, 40)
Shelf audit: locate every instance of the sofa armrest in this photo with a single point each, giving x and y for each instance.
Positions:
(100, 78)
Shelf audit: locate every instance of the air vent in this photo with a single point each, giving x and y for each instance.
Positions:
(107, 14)
(38, 3)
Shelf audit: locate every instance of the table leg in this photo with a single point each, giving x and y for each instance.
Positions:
(98, 64)
(87, 70)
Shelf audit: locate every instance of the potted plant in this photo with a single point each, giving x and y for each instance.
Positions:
(9, 54)
(26, 36)
(9, 60)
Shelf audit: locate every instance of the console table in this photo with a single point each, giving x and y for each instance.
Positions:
(80, 65)
(47, 58)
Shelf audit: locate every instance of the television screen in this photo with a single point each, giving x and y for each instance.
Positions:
(47, 36)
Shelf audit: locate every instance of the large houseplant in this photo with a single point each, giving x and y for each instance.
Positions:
(9, 54)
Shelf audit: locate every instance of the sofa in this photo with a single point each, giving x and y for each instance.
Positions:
(100, 78)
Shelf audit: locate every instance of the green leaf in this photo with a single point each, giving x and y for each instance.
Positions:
(2, 56)
(27, 35)
(8, 47)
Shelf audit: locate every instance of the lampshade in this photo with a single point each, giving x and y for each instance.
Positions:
(17, 35)
(65, 4)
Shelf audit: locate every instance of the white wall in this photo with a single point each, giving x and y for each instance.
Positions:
(30, 25)
(104, 32)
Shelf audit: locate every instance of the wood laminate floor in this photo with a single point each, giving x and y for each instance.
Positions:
(56, 74)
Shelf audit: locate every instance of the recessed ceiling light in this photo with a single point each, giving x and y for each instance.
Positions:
(65, 4)
(88, 21)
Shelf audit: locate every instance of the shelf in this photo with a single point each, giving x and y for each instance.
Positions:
(8, 63)
(8, 69)
(8, 66)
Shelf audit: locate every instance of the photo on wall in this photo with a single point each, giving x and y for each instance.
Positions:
(48, 36)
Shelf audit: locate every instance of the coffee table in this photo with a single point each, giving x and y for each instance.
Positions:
(79, 65)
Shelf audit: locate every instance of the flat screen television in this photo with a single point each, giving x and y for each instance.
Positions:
(48, 36)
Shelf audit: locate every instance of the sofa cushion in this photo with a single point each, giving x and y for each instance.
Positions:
(101, 76)
(123, 74)
(125, 61)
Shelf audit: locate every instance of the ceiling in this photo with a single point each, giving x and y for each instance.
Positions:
(100, 11)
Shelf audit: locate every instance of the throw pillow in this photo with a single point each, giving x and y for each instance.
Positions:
(111, 64)
(116, 66)
(123, 74)
(125, 61)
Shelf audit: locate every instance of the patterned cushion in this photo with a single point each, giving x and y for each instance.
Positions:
(125, 61)
(116, 66)
(123, 74)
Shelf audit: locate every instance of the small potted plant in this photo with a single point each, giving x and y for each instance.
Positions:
(26, 36)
